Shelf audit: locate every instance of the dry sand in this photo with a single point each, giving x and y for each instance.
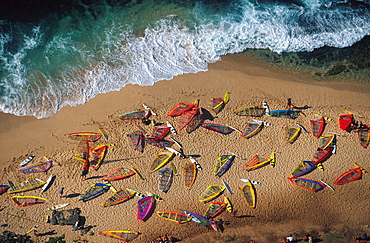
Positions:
(282, 208)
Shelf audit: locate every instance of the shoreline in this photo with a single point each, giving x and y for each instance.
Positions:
(280, 204)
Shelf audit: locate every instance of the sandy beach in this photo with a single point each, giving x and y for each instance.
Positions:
(282, 208)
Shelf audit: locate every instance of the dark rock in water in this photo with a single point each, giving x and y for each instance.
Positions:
(337, 69)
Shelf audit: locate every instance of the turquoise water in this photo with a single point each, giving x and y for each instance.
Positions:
(67, 52)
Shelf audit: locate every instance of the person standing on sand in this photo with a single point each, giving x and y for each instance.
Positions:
(61, 190)
(289, 105)
(85, 170)
(290, 238)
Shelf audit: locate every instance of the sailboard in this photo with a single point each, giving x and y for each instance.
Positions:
(123, 235)
(325, 117)
(175, 152)
(197, 219)
(93, 191)
(97, 156)
(24, 201)
(101, 130)
(211, 192)
(139, 194)
(29, 184)
(156, 197)
(172, 128)
(120, 196)
(292, 114)
(160, 160)
(179, 218)
(26, 161)
(180, 108)
(118, 174)
(214, 209)
(135, 140)
(254, 111)
(291, 134)
(217, 128)
(303, 168)
(348, 176)
(144, 207)
(195, 162)
(317, 126)
(189, 172)
(48, 183)
(307, 184)
(223, 162)
(138, 114)
(85, 136)
(251, 129)
(258, 161)
(249, 193)
(36, 167)
(150, 109)
(227, 187)
(165, 177)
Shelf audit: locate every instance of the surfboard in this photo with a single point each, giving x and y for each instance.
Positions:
(47, 184)
(26, 161)
(59, 206)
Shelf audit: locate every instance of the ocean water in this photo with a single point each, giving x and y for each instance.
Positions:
(58, 53)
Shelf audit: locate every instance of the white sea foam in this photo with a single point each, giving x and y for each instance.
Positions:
(111, 56)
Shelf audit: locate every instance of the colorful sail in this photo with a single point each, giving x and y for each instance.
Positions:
(317, 126)
(217, 128)
(97, 156)
(326, 140)
(123, 235)
(217, 104)
(303, 168)
(223, 162)
(179, 218)
(3, 188)
(249, 194)
(187, 117)
(346, 122)
(120, 196)
(37, 167)
(93, 191)
(229, 206)
(193, 124)
(180, 109)
(85, 136)
(160, 143)
(82, 152)
(364, 136)
(160, 160)
(258, 161)
(197, 219)
(24, 201)
(307, 184)
(138, 114)
(135, 139)
(211, 192)
(144, 207)
(160, 132)
(291, 134)
(165, 177)
(214, 209)
(29, 184)
(118, 174)
(321, 155)
(251, 111)
(351, 175)
(251, 129)
(189, 172)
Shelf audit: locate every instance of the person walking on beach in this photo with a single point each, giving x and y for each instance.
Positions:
(85, 170)
(290, 238)
(290, 105)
